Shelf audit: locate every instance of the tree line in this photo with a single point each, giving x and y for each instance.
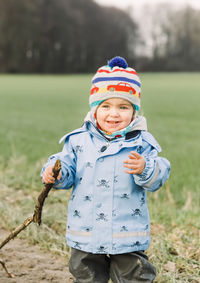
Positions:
(176, 40)
(70, 36)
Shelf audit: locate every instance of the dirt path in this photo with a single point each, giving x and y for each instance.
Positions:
(31, 265)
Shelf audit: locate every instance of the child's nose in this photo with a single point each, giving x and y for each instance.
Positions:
(114, 111)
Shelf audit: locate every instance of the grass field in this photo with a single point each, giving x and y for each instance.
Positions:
(35, 111)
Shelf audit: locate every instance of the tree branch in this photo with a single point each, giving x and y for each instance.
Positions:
(37, 216)
(39, 205)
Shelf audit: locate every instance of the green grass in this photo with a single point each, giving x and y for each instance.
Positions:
(35, 111)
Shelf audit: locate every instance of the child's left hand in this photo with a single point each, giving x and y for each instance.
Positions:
(136, 163)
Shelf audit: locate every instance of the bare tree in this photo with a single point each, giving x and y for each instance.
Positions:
(175, 39)
(57, 36)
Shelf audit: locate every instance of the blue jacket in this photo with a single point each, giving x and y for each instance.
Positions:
(107, 211)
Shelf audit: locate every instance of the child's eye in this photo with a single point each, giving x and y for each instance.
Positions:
(123, 107)
(104, 106)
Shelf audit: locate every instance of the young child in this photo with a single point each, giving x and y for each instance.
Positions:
(110, 162)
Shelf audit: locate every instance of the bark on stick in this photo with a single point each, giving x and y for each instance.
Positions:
(37, 216)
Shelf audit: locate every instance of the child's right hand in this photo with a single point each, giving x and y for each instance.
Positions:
(48, 175)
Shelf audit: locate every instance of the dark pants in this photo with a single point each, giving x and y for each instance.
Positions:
(122, 268)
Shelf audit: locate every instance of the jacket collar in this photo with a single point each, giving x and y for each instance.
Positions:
(132, 134)
(89, 125)
(139, 125)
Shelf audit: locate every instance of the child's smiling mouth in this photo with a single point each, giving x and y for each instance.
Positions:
(113, 122)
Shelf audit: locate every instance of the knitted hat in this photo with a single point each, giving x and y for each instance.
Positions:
(115, 80)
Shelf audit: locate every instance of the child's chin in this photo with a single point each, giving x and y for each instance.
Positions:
(112, 130)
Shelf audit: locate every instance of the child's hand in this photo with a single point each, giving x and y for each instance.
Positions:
(48, 175)
(136, 163)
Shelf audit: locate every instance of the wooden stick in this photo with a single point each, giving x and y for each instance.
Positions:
(37, 216)
(10, 275)
(17, 230)
(40, 202)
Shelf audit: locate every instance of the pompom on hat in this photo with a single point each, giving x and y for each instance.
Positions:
(115, 80)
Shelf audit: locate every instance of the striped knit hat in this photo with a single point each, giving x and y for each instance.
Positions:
(115, 80)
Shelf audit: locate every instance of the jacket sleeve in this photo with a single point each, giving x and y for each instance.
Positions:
(68, 166)
(157, 169)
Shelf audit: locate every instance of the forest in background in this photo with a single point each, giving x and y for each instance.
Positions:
(67, 36)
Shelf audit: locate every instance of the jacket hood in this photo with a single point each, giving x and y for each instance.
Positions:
(139, 123)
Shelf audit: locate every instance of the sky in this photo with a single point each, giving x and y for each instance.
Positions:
(127, 3)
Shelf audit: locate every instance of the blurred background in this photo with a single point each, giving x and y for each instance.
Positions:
(49, 51)
(59, 36)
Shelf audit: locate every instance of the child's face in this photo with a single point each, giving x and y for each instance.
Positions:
(114, 114)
